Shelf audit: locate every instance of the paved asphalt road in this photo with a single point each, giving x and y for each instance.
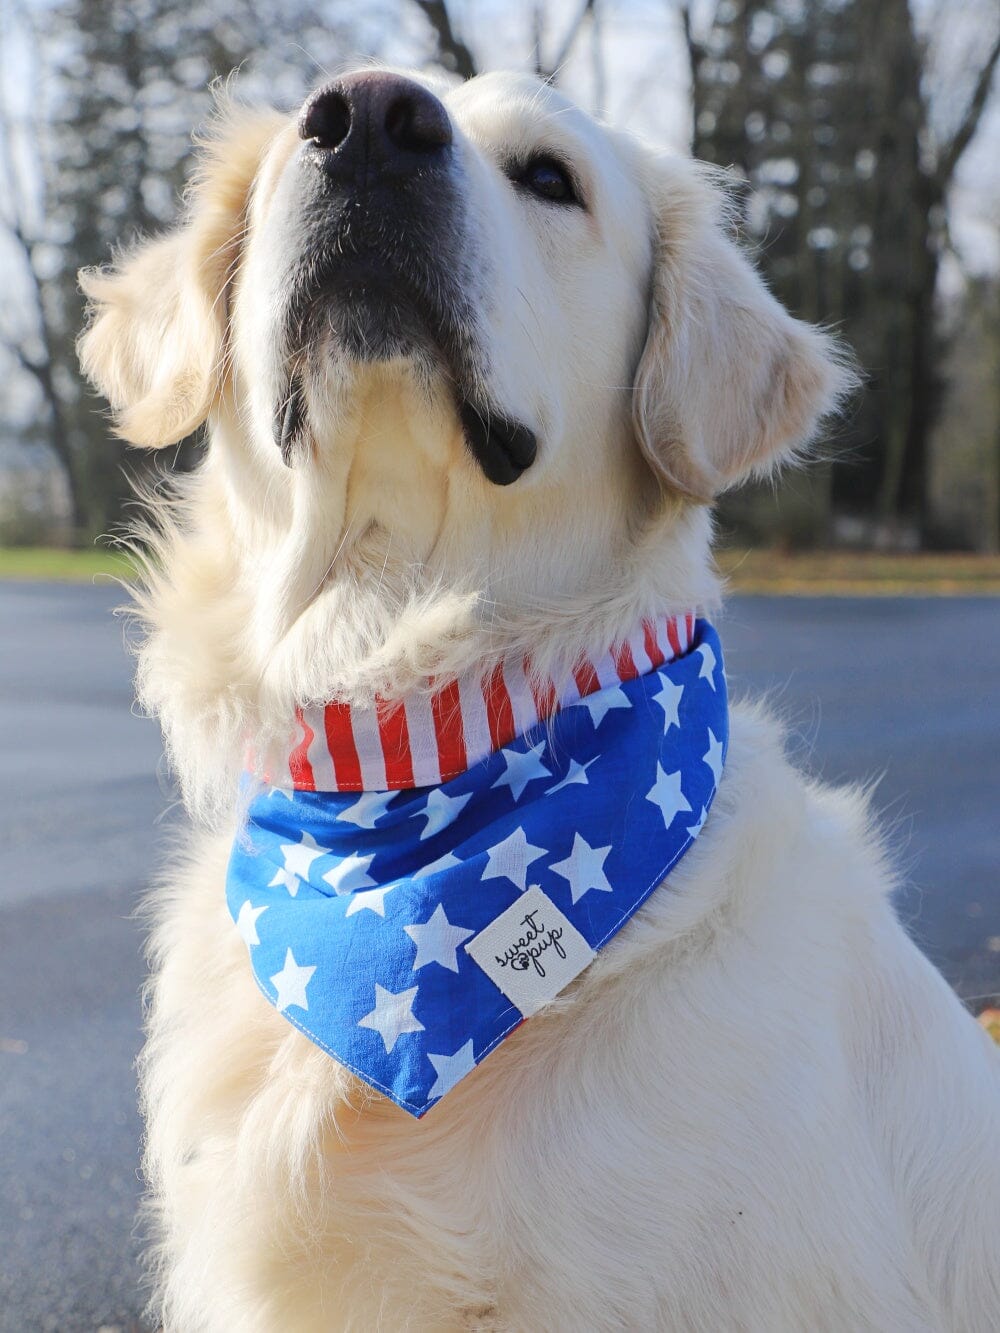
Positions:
(904, 688)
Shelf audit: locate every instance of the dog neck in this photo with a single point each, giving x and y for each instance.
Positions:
(436, 733)
(259, 600)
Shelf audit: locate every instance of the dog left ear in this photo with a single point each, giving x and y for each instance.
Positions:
(154, 343)
(729, 384)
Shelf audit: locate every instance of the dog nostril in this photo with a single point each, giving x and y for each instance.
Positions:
(326, 120)
(417, 123)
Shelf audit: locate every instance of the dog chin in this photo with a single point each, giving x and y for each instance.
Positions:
(371, 325)
(347, 332)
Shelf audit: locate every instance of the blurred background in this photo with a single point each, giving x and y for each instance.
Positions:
(862, 139)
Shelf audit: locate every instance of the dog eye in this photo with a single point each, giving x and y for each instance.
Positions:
(548, 179)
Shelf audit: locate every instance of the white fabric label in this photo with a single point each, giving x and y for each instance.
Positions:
(531, 951)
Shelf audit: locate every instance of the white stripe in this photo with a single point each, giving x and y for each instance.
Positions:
(639, 655)
(423, 741)
(663, 639)
(318, 753)
(522, 701)
(475, 720)
(570, 691)
(607, 672)
(368, 744)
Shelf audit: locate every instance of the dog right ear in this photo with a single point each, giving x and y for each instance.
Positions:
(729, 384)
(154, 345)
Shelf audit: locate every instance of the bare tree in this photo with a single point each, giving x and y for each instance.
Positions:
(454, 55)
(586, 13)
(849, 140)
(103, 158)
(27, 329)
(452, 52)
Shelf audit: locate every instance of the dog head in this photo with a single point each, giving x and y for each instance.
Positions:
(460, 330)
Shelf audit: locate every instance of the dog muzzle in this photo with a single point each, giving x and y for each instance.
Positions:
(434, 871)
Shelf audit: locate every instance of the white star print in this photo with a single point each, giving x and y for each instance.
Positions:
(510, 859)
(451, 1068)
(523, 767)
(669, 698)
(371, 900)
(441, 811)
(392, 1015)
(291, 982)
(667, 795)
(446, 862)
(577, 773)
(299, 856)
(708, 664)
(246, 922)
(713, 756)
(695, 828)
(601, 702)
(285, 878)
(584, 868)
(350, 874)
(368, 809)
(437, 941)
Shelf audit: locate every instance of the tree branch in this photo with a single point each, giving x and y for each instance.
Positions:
(970, 121)
(538, 35)
(569, 41)
(453, 53)
(692, 47)
(696, 52)
(40, 371)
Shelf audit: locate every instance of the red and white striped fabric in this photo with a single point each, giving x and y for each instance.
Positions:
(427, 739)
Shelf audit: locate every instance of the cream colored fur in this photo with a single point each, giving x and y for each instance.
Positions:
(760, 1109)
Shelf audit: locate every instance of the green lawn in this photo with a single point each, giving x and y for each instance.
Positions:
(819, 573)
(51, 562)
(860, 573)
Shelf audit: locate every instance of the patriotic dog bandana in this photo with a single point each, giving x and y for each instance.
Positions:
(407, 903)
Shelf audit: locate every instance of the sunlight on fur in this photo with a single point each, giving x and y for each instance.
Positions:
(759, 1108)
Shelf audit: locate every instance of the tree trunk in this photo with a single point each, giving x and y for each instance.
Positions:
(58, 442)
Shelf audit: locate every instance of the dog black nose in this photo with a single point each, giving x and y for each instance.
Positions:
(375, 121)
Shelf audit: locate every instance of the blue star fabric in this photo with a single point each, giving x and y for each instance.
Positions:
(374, 922)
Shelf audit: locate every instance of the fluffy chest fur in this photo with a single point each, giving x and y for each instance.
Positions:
(473, 368)
(710, 1095)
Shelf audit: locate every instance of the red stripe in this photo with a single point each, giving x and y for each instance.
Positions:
(625, 662)
(499, 712)
(673, 636)
(394, 734)
(449, 723)
(446, 707)
(586, 678)
(298, 761)
(653, 650)
(340, 743)
(543, 692)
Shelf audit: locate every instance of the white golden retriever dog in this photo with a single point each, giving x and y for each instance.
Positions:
(474, 368)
